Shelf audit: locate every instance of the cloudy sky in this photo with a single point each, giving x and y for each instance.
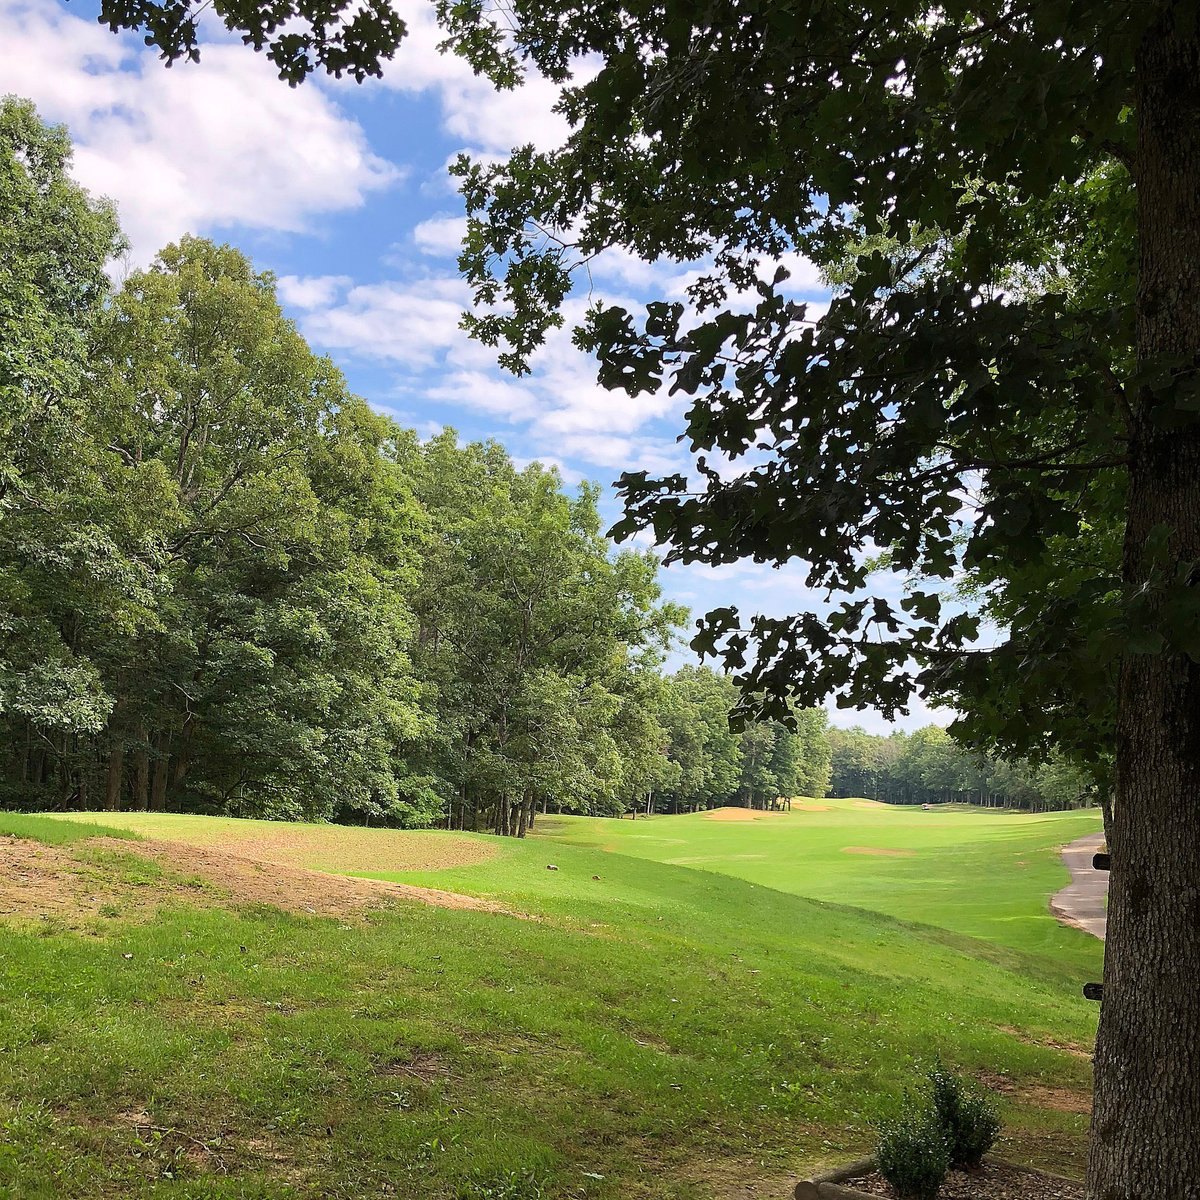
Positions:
(342, 190)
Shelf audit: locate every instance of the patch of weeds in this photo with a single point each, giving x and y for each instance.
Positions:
(506, 1185)
(198, 882)
(118, 866)
(109, 910)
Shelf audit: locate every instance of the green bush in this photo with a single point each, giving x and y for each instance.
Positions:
(913, 1157)
(967, 1117)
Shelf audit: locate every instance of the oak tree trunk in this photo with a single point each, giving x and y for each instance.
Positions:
(1146, 1119)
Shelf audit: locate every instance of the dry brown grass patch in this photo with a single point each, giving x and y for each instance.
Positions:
(349, 848)
(78, 888)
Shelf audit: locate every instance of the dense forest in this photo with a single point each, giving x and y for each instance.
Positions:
(228, 585)
(928, 766)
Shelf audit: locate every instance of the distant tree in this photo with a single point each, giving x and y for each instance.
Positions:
(537, 642)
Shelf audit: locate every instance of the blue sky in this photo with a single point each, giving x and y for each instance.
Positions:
(342, 190)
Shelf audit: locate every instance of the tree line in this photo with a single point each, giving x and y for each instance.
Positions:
(228, 585)
(928, 766)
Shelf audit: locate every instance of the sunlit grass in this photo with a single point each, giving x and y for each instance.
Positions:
(649, 1033)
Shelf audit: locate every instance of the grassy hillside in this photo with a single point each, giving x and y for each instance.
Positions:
(982, 872)
(641, 1029)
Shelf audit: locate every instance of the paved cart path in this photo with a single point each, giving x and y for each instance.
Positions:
(1081, 902)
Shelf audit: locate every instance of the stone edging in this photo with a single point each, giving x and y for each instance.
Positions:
(833, 1185)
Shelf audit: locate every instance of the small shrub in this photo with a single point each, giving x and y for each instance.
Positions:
(967, 1117)
(913, 1157)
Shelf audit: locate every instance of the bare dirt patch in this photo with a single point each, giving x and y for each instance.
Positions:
(1039, 1095)
(422, 1065)
(83, 884)
(870, 805)
(1072, 1048)
(295, 889)
(878, 850)
(809, 806)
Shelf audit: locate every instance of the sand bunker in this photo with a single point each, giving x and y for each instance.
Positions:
(101, 877)
(879, 850)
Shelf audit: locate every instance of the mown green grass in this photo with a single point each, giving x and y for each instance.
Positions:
(982, 872)
(56, 832)
(674, 1031)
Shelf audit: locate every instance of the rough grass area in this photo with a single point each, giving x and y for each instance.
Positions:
(658, 1031)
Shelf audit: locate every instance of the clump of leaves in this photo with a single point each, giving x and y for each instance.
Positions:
(966, 1116)
(913, 1156)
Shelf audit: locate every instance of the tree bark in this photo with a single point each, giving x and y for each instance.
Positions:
(116, 770)
(1147, 1104)
(158, 789)
(141, 779)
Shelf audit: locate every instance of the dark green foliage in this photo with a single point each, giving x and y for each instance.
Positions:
(967, 1118)
(913, 1157)
(299, 36)
(928, 766)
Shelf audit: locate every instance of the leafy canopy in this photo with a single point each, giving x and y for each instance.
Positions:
(963, 405)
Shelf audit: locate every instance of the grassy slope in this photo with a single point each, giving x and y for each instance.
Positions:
(982, 872)
(664, 1027)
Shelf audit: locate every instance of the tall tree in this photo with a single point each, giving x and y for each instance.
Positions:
(61, 552)
(738, 137)
(536, 639)
(273, 678)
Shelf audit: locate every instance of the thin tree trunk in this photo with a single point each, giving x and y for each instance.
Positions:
(116, 771)
(1147, 1106)
(141, 779)
(183, 759)
(158, 789)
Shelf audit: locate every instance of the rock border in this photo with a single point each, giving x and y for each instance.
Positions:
(833, 1185)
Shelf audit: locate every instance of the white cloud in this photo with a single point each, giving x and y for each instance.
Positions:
(441, 236)
(472, 109)
(410, 324)
(559, 406)
(311, 291)
(198, 147)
